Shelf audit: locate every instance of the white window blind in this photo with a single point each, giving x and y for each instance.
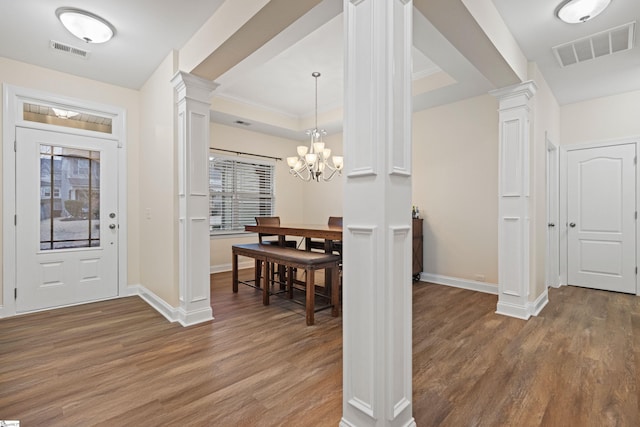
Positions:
(239, 190)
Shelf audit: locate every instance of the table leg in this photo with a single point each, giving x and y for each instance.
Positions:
(234, 274)
(328, 248)
(335, 291)
(258, 270)
(311, 296)
(265, 283)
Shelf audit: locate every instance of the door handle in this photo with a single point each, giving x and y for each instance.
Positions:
(573, 224)
(112, 226)
(551, 224)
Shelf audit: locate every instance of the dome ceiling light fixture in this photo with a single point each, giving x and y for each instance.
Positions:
(85, 25)
(579, 11)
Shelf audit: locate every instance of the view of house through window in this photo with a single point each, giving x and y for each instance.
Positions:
(69, 198)
(239, 190)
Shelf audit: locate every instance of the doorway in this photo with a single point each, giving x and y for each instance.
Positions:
(601, 217)
(67, 215)
(553, 241)
(63, 190)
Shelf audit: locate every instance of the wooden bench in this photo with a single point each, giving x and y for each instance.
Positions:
(292, 259)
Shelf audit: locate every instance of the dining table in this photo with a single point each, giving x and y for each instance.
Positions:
(317, 231)
(330, 234)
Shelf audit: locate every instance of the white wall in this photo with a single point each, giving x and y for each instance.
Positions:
(289, 190)
(600, 119)
(546, 120)
(158, 185)
(455, 186)
(324, 199)
(30, 76)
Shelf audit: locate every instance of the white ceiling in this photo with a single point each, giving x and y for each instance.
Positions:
(147, 30)
(537, 30)
(282, 82)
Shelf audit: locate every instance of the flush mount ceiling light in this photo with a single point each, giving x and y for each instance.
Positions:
(578, 11)
(85, 25)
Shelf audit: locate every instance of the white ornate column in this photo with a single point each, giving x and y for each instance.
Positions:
(514, 203)
(193, 101)
(377, 214)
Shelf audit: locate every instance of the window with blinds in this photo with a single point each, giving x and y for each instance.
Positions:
(239, 190)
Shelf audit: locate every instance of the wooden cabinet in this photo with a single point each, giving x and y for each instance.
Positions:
(418, 259)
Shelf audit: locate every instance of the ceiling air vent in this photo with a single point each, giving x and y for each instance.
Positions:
(617, 39)
(69, 49)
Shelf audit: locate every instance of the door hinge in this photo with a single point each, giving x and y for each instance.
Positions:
(635, 160)
(15, 220)
(15, 293)
(636, 270)
(15, 143)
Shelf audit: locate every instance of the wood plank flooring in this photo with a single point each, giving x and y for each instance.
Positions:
(120, 363)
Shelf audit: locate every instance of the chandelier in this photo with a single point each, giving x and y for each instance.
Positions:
(314, 162)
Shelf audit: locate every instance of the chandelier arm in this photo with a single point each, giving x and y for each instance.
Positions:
(328, 178)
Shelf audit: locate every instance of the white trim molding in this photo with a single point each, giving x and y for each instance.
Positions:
(221, 268)
(531, 308)
(471, 285)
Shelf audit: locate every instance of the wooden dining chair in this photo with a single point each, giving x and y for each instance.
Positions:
(336, 246)
(273, 220)
(280, 240)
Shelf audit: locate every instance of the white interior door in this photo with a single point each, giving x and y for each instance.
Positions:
(67, 219)
(601, 189)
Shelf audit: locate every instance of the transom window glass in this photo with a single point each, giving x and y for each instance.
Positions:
(240, 190)
(69, 198)
(67, 118)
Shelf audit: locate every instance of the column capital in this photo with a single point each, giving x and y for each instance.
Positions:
(189, 86)
(516, 95)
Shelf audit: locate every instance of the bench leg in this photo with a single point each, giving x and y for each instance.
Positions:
(335, 286)
(311, 296)
(234, 274)
(265, 283)
(290, 282)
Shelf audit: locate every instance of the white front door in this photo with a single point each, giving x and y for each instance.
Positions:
(601, 204)
(67, 219)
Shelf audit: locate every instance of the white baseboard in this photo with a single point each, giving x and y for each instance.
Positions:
(160, 305)
(541, 302)
(531, 308)
(172, 314)
(220, 268)
(472, 285)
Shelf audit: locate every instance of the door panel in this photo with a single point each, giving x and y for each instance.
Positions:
(601, 218)
(66, 204)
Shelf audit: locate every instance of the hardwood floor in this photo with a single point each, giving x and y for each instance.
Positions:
(120, 363)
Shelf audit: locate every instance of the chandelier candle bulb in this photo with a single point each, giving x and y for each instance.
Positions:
(315, 162)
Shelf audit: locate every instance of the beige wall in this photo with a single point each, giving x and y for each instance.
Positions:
(324, 199)
(546, 121)
(158, 186)
(600, 119)
(455, 184)
(32, 77)
(289, 191)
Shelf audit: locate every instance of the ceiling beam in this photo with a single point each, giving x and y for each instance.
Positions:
(267, 23)
(458, 25)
